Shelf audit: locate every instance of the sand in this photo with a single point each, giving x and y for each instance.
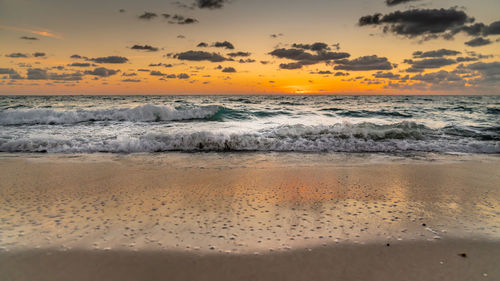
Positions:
(249, 216)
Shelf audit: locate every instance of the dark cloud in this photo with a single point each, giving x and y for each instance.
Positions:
(339, 73)
(11, 72)
(364, 63)
(76, 57)
(396, 2)
(435, 54)
(178, 19)
(421, 65)
(387, 75)
(102, 72)
(183, 76)
(131, 80)
(429, 23)
(224, 44)
(239, 54)
(42, 74)
(110, 59)
(291, 65)
(202, 45)
(156, 73)
(317, 47)
(276, 35)
(323, 72)
(477, 42)
(180, 36)
(148, 16)
(129, 74)
(305, 58)
(122, 11)
(17, 55)
(437, 77)
(166, 15)
(229, 70)
(78, 64)
(200, 56)
(38, 54)
(480, 29)
(28, 38)
(246, 61)
(7, 71)
(144, 48)
(493, 29)
(210, 4)
(143, 70)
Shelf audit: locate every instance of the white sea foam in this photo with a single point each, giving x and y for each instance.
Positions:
(343, 137)
(144, 113)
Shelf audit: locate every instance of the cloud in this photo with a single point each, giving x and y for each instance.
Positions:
(364, 63)
(110, 59)
(239, 54)
(210, 4)
(183, 76)
(122, 10)
(437, 77)
(38, 54)
(28, 38)
(276, 35)
(11, 72)
(435, 54)
(387, 75)
(301, 57)
(322, 72)
(129, 74)
(477, 42)
(148, 16)
(102, 72)
(421, 65)
(131, 80)
(17, 55)
(200, 56)
(428, 23)
(291, 65)
(202, 45)
(156, 73)
(396, 2)
(79, 64)
(339, 73)
(246, 61)
(45, 33)
(178, 19)
(77, 57)
(317, 47)
(224, 44)
(229, 70)
(42, 74)
(144, 48)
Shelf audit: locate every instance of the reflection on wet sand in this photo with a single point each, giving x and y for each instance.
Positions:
(250, 203)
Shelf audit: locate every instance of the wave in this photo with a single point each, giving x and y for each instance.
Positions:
(143, 113)
(342, 137)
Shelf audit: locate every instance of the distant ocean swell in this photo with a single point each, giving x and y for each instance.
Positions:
(342, 137)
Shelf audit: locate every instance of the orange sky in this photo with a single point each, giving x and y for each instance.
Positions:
(39, 38)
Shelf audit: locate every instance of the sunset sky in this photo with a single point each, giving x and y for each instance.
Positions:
(249, 47)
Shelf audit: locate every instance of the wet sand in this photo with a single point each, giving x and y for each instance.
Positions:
(249, 217)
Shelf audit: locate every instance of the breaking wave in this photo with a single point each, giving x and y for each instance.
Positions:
(341, 137)
(143, 113)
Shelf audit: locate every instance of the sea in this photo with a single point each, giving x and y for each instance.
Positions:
(258, 123)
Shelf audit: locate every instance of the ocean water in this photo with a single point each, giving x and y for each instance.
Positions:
(352, 124)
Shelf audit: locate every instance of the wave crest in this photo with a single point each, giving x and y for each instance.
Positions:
(143, 113)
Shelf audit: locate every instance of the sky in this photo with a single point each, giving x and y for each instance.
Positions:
(249, 47)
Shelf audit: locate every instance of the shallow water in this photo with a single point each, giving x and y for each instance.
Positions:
(124, 124)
